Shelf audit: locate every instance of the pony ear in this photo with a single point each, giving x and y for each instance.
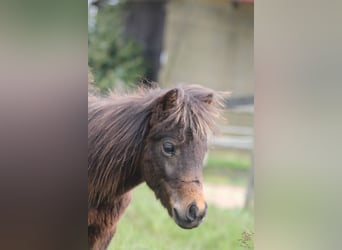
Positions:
(169, 100)
(208, 98)
(165, 102)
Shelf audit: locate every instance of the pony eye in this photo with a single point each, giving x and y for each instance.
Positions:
(168, 148)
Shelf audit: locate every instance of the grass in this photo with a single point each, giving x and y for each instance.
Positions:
(225, 177)
(146, 225)
(228, 159)
(227, 167)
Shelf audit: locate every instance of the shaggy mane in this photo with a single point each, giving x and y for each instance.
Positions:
(119, 123)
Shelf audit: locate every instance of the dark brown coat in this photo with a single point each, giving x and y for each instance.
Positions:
(157, 136)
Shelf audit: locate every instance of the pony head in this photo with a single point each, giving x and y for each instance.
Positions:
(174, 149)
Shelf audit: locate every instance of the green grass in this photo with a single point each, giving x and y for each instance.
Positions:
(225, 177)
(227, 159)
(227, 167)
(146, 225)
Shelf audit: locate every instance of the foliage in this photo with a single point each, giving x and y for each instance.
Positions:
(247, 239)
(146, 225)
(114, 60)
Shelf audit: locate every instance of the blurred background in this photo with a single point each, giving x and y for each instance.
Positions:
(207, 42)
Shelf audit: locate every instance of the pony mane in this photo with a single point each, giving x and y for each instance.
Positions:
(119, 123)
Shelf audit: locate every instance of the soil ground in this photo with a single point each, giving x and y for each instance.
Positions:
(224, 196)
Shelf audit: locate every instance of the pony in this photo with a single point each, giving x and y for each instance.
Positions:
(152, 135)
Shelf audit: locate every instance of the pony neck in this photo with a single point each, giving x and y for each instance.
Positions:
(116, 132)
(129, 182)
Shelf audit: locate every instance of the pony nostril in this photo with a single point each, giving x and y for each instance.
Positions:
(192, 212)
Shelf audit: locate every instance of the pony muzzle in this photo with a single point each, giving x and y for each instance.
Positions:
(190, 217)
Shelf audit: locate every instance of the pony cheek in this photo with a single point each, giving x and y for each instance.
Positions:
(163, 192)
(169, 169)
(148, 168)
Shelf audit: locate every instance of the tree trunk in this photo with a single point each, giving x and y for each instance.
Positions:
(144, 22)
